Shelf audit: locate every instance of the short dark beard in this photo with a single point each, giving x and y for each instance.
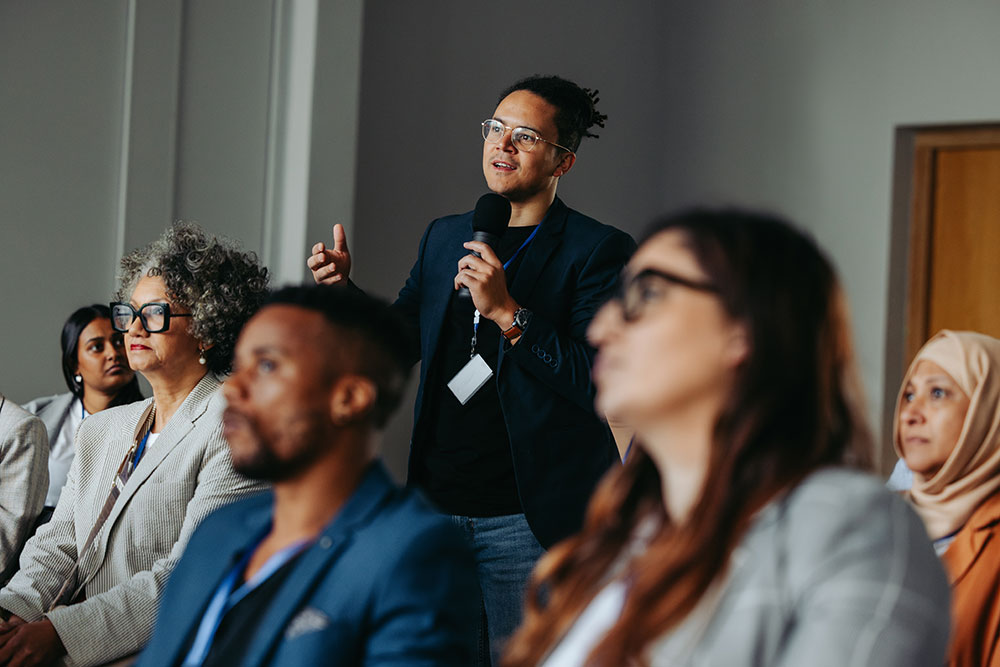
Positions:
(265, 466)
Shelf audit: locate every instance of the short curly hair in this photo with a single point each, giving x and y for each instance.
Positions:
(219, 283)
(576, 107)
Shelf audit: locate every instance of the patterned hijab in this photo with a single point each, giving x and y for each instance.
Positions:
(971, 473)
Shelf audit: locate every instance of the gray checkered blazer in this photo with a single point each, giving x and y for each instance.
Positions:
(837, 573)
(185, 475)
(24, 479)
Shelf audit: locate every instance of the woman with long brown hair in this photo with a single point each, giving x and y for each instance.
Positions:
(741, 529)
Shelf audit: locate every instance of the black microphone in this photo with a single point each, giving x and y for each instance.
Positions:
(489, 222)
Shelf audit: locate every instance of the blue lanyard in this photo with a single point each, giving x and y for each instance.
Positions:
(475, 316)
(226, 597)
(140, 451)
(523, 246)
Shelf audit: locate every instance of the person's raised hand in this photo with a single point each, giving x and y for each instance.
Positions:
(331, 266)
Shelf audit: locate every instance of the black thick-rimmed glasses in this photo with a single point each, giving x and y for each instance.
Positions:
(155, 316)
(523, 138)
(648, 286)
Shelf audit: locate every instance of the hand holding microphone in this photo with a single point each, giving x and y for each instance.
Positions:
(489, 222)
(481, 274)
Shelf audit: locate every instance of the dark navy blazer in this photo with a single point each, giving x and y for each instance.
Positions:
(388, 582)
(559, 445)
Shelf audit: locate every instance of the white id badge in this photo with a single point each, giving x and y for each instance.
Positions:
(470, 379)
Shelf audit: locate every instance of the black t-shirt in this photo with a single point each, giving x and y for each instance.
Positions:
(232, 639)
(466, 466)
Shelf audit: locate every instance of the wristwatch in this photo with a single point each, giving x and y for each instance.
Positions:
(521, 318)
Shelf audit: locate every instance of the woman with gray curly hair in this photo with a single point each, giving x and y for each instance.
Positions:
(145, 474)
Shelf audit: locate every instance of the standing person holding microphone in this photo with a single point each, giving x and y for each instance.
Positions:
(505, 436)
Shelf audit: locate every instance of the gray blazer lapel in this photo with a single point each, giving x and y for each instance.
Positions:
(173, 434)
(53, 413)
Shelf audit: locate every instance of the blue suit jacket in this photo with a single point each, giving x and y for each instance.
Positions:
(560, 447)
(388, 582)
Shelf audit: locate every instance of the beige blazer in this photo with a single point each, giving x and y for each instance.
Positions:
(186, 474)
(24, 479)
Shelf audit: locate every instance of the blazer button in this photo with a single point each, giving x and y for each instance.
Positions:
(325, 542)
(547, 359)
(534, 348)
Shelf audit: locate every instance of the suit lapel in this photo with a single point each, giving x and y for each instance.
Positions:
(971, 541)
(444, 268)
(173, 434)
(537, 254)
(200, 587)
(317, 560)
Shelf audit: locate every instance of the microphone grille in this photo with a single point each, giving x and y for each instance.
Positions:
(492, 214)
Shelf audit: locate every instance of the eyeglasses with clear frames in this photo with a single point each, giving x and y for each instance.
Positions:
(523, 138)
(155, 316)
(635, 293)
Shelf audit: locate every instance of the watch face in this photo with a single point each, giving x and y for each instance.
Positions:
(521, 316)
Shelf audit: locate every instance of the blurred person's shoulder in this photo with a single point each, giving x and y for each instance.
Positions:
(836, 515)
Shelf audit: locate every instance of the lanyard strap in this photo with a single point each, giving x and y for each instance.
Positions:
(139, 452)
(66, 594)
(227, 596)
(523, 246)
(475, 316)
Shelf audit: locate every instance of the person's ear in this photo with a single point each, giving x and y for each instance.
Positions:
(352, 398)
(565, 163)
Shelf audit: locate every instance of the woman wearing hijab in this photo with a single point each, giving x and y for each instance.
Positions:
(948, 432)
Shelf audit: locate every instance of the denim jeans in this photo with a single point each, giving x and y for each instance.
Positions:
(506, 551)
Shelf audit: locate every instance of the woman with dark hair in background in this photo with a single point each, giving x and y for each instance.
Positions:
(740, 530)
(145, 474)
(97, 373)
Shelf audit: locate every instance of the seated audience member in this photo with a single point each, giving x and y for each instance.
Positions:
(948, 432)
(145, 474)
(338, 566)
(24, 448)
(97, 373)
(740, 530)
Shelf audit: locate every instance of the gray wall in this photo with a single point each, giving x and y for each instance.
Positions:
(781, 105)
(61, 73)
(117, 118)
(792, 106)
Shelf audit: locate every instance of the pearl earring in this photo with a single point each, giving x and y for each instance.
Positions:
(201, 356)
(78, 378)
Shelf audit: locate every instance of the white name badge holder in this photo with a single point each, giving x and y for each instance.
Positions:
(474, 374)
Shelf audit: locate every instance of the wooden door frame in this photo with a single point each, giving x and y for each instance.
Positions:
(910, 249)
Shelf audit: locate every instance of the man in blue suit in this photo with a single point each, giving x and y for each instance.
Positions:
(513, 461)
(338, 566)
